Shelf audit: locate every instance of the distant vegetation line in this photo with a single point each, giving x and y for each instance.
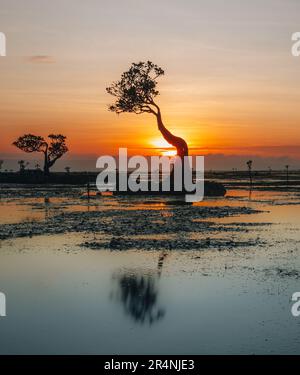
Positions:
(232, 177)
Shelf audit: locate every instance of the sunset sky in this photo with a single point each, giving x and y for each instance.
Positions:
(231, 86)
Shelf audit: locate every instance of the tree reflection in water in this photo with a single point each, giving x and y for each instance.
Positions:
(138, 293)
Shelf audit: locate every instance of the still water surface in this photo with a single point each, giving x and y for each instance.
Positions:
(65, 299)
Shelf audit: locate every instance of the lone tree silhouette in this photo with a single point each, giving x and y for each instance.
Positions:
(249, 165)
(135, 93)
(54, 149)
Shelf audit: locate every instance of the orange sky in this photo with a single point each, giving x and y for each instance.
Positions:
(231, 83)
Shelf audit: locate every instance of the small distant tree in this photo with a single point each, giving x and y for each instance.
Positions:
(249, 165)
(37, 166)
(68, 169)
(22, 165)
(1, 164)
(53, 149)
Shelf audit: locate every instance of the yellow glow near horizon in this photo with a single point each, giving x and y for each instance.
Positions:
(169, 153)
(220, 96)
(164, 147)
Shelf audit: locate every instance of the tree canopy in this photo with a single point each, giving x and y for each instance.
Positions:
(136, 90)
(53, 149)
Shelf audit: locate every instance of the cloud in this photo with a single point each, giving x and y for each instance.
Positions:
(41, 59)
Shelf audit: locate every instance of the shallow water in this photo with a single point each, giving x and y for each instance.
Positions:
(66, 299)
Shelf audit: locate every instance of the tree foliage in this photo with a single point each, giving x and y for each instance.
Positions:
(30, 143)
(53, 149)
(57, 147)
(136, 90)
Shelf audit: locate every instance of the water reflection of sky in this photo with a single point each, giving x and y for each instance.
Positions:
(27, 209)
(64, 299)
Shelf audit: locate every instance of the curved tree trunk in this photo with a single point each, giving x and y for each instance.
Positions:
(179, 143)
(181, 147)
(48, 163)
